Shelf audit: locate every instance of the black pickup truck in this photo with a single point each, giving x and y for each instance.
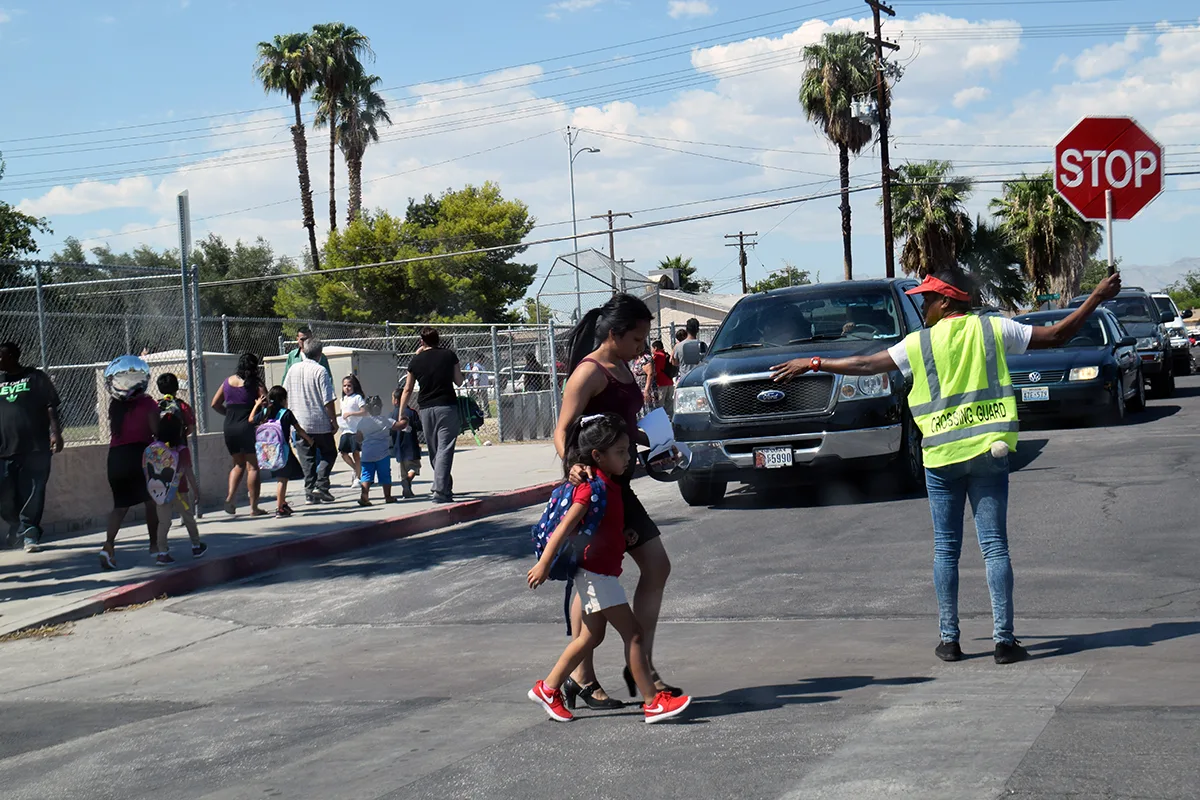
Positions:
(742, 427)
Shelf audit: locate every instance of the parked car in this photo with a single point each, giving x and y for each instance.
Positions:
(1097, 375)
(741, 426)
(1141, 317)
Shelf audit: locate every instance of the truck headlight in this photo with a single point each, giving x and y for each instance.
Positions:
(1084, 374)
(1149, 343)
(691, 400)
(865, 386)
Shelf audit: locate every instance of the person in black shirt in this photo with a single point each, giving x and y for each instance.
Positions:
(438, 372)
(29, 432)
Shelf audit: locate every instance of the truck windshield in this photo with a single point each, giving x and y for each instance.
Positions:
(777, 321)
(1165, 306)
(1130, 309)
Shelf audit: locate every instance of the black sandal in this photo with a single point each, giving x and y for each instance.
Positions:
(659, 685)
(572, 690)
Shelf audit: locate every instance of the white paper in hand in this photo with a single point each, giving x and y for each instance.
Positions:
(657, 427)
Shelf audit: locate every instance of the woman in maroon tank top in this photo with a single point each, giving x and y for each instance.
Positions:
(601, 347)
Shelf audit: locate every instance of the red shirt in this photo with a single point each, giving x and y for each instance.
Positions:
(661, 377)
(135, 425)
(606, 549)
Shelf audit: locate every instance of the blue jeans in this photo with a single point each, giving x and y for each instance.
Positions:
(23, 482)
(984, 480)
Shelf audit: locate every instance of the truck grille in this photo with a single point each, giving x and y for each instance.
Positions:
(806, 395)
(1047, 376)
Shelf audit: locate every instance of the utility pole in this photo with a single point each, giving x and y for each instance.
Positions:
(741, 245)
(611, 245)
(884, 106)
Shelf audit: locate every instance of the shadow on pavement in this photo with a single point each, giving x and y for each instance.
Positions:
(1026, 453)
(1125, 637)
(842, 490)
(808, 690)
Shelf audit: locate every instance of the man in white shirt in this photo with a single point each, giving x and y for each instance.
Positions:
(310, 399)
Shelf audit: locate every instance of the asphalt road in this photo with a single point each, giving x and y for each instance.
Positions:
(803, 623)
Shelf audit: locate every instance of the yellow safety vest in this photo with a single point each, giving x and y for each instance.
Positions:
(962, 397)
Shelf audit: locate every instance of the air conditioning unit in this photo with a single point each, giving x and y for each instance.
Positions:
(665, 278)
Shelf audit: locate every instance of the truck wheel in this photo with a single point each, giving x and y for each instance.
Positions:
(910, 465)
(702, 492)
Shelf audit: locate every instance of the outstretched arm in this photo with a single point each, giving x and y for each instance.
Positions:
(874, 364)
(1060, 333)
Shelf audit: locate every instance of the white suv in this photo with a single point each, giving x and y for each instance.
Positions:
(1176, 330)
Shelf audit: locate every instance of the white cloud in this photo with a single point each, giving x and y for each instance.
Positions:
(570, 7)
(88, 196)
(1103, 59)
(108, 19)
(678, 9)
(974, 94)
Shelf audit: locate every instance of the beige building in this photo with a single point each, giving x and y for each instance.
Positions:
(678, 307)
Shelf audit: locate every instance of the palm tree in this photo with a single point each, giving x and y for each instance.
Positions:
(688, 282)
(284, 66)
(336, 48)
(360, 111)
(994, 267)
(1055, 243)
(836, 71)
(928, 212)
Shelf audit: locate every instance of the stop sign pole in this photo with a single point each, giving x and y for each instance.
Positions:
(1108, 168)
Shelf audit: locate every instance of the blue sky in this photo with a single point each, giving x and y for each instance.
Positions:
(990, 86)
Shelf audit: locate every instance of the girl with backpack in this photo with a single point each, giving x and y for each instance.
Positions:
(599, 442)
(601, 347)
(166, 472)
(272, 444)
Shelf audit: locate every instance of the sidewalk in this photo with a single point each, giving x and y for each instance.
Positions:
(65, 581)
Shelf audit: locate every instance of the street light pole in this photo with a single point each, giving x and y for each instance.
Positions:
(571, 137)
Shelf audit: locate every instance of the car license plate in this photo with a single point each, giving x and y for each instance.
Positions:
(1035, 394)
(772, 457)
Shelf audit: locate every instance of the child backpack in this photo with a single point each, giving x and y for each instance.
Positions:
(160, 465)
(566, 561)
(270, 446)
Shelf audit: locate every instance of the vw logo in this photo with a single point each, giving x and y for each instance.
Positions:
(1034, 377)
(771, 396)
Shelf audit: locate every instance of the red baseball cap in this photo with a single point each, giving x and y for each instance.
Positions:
(939, 286)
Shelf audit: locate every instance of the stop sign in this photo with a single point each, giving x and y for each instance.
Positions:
(1108, 153)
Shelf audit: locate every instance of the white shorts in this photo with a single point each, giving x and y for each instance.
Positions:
(598, 592)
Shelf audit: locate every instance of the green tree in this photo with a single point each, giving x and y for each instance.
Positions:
(790, 275)
(361, 110)
(928, 212)
(217, 261)
(688, 282)
(1095, 271)
(1054, 242)
(993, 267)
(838, 70)
(336, 49)
(17, 232)
(536, 313)
(481, 287)
(285, 65)
(1186, 291)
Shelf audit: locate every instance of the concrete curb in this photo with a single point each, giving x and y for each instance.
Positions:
(182, 580)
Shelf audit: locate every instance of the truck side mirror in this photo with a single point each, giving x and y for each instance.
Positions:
(1167, 316)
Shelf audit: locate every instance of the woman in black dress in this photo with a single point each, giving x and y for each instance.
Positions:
(235, 401)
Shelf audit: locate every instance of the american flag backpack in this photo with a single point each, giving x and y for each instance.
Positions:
(566, 560)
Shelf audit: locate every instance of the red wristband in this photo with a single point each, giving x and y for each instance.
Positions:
(815, 364)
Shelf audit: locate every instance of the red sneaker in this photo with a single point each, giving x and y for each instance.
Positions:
(665, 706)
(552, 701)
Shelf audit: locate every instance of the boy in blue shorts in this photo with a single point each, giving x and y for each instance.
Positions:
(375, 437)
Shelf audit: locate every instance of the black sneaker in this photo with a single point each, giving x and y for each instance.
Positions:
(313, 499)
(198, 550)
(948, 651)
(1010, 653)
(326, 496)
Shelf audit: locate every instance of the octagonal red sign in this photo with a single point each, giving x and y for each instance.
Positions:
(1108, 153)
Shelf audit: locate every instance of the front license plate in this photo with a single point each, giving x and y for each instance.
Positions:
(1035, 394)
(772, 457)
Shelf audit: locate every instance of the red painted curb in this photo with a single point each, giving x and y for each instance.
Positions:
(251, 562)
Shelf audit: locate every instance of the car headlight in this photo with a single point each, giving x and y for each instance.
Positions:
(1084, 374)
(1149, 343)
(865, 386)
(691, 400)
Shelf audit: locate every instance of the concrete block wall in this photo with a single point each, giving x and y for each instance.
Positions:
(78, 498)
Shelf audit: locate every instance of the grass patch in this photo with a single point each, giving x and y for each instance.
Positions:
(42, 632)
(135, 606)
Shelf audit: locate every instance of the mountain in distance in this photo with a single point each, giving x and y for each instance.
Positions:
(1155, 278)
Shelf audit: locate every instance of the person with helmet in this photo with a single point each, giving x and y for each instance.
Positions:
(963, 403)
(133, 424)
